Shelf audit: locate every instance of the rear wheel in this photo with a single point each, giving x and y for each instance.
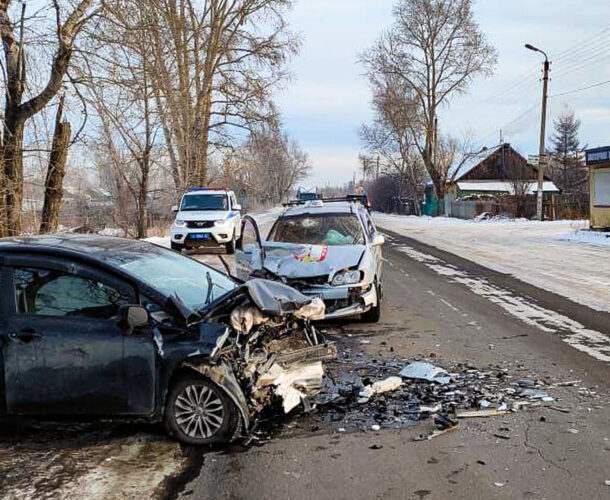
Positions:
(176, 246)
(373, 315)
(199, 412)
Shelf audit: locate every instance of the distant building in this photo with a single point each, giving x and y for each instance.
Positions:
(487, 177)
(598, 162)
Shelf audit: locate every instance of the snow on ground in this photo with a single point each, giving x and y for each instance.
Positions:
(559, 256)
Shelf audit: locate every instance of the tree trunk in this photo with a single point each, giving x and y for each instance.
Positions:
(12, 159)
(142, 223)
(53, 186)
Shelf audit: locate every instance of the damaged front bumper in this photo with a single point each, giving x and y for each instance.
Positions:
(342, 302)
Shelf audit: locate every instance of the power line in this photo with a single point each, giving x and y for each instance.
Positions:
(585, 63)
(573, 91)
(506, 126)
(582, 44)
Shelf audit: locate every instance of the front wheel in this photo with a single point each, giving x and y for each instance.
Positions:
(231, 245)
(199, 412)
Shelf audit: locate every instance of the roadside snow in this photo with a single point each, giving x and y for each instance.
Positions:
(559, 256)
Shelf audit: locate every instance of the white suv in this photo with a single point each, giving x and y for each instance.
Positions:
(206, 218)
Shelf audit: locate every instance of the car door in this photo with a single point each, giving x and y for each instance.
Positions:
(376, 251)
(249, 254)
(63, 348)
(236, 214)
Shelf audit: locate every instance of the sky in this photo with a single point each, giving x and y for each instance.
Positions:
(328, 97)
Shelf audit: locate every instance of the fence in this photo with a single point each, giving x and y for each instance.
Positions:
(557, 207)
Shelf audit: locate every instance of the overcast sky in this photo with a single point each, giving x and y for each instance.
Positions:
(328, 98)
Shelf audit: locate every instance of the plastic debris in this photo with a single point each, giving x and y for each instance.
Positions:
(425, 371)
(534, 394)
(375, 427)
(491, 412)
(379, 387)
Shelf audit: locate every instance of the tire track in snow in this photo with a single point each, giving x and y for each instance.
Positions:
(572, 332)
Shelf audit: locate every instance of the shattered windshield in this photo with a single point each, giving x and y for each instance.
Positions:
(318, 229)
(173, 274)
(205, 202)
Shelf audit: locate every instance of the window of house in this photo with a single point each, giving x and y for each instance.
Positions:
(55, 293)
(602, 187)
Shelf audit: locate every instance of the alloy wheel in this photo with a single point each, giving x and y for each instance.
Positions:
(199, 411)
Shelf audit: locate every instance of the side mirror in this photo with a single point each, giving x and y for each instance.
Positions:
(237, 206)
(174, 208)
(132, 317)
(378, 240)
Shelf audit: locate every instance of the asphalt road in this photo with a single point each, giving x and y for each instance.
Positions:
(438, 307)
(451, 310)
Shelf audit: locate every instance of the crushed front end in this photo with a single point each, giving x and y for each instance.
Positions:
(270, 352)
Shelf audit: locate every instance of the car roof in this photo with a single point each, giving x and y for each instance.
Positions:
(334, 207)
(105, 250)
(208, 191)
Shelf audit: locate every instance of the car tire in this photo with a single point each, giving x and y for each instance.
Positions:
(177, 247)
(199, 412)
(373, 315)
(231, 245)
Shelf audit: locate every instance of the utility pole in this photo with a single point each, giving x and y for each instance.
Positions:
(542, 149)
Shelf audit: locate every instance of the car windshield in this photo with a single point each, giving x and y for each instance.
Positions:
(318, 229)
(171, 273)
(205, 202)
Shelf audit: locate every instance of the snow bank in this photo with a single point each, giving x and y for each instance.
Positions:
(559, 256)
(595, 238)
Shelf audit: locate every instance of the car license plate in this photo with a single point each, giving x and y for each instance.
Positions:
(200, 236)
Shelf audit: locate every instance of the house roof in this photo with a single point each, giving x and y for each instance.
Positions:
(465, 162)
(499, 186)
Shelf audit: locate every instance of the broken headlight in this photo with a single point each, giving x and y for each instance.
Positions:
(347, 278)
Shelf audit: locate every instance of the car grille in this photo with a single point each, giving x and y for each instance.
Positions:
(308, 281)
(200, 224)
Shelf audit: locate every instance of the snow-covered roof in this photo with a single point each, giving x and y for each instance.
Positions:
(465, 162)
(499, 186)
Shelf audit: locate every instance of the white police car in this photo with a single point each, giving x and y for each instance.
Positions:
(206, 218)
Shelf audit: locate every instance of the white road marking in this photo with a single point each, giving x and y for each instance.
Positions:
(572, 332)
(449, 305)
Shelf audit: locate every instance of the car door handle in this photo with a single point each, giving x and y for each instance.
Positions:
(26, 335)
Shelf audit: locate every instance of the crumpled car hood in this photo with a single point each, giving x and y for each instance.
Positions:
(291, 260)
(275, 298)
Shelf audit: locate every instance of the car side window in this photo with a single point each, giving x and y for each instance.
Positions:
(48, 292)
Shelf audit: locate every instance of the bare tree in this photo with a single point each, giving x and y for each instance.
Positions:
(431, 53)
(69, 20)
(216, 64)
(118, 71)
(56, 172)
(268, 166)
(390, 138)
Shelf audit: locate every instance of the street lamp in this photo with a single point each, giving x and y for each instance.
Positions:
(542, 150)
